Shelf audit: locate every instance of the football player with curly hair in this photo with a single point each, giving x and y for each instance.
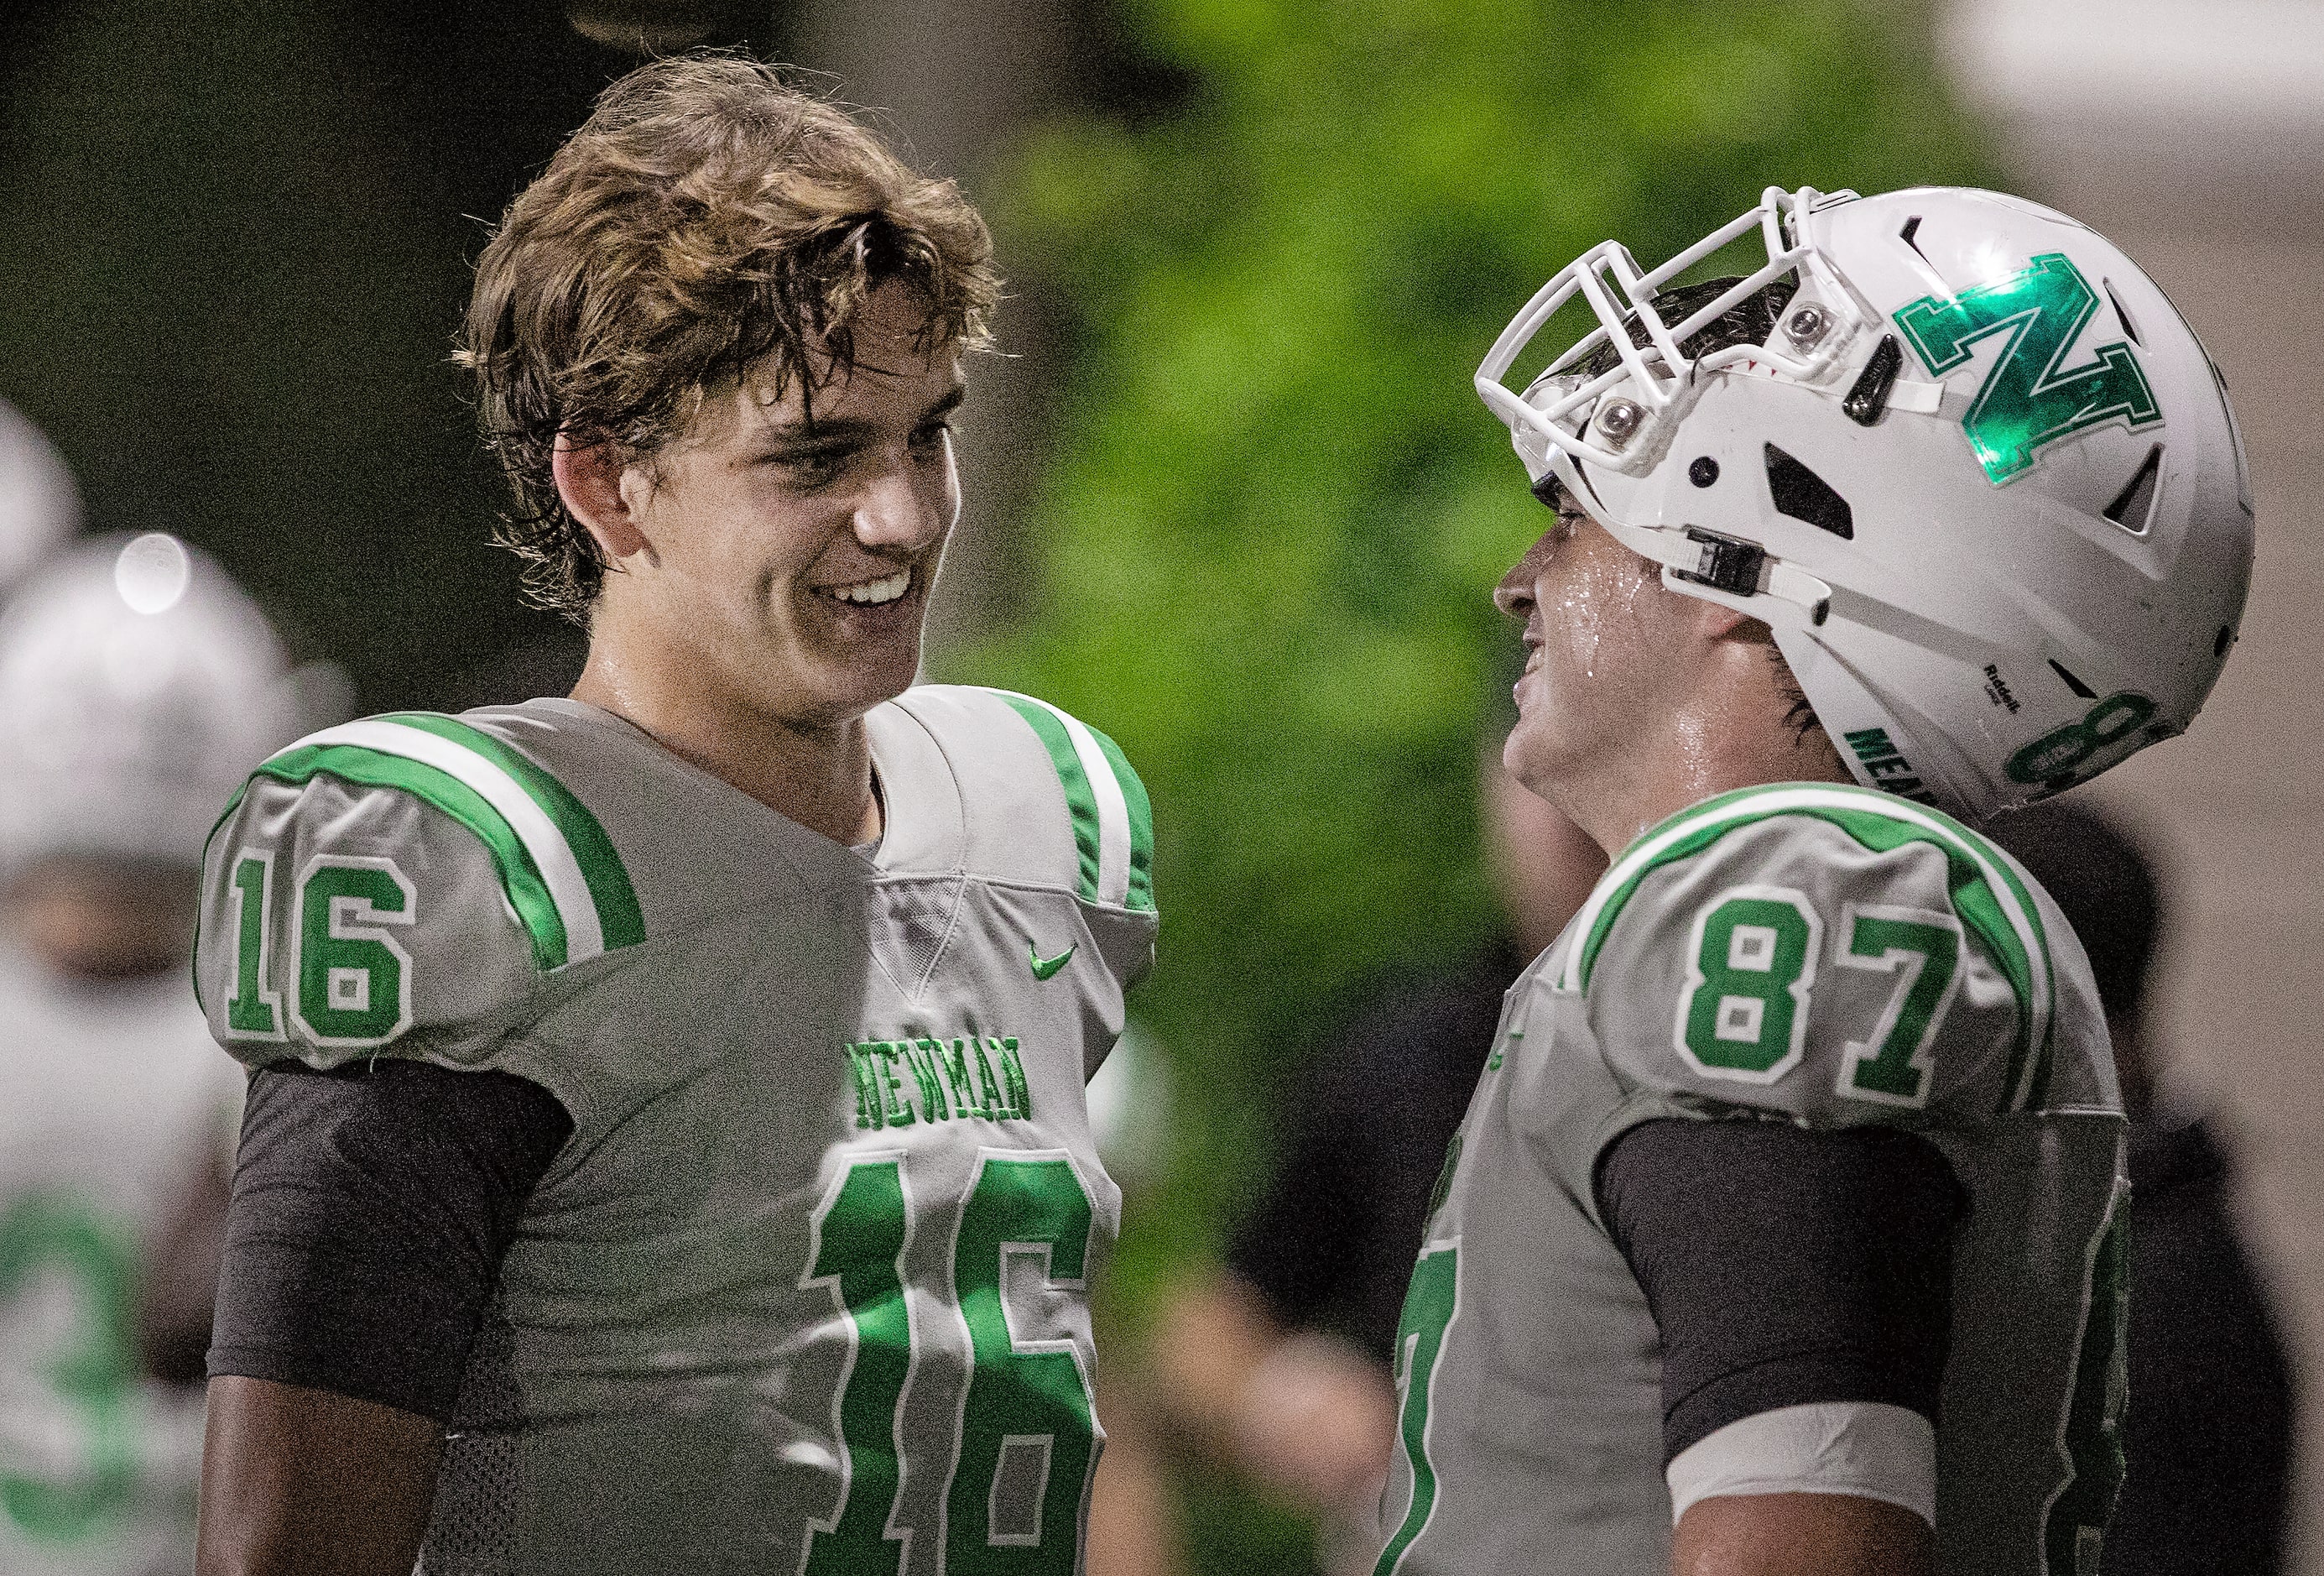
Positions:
(666, 1145)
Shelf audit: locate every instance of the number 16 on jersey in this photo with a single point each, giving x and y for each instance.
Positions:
(1019, 1476)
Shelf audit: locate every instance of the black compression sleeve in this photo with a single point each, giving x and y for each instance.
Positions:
(372, 1206)
(1785, 1265)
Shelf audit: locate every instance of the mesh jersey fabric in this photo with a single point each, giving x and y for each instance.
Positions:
(807, 1287)
(1822, 955)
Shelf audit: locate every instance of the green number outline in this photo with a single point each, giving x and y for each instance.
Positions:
(1924, 948)
(1699, 977)
(96, 1376)
(860, 1536)
(1044, 1380)
(2057, 758)
(1984, 888)
(253, 1009)
(1019, 1202)
(346, 929)
(1432, 1302)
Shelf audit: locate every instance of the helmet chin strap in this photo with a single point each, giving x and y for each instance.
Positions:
(1725, 570)
(1880, 747)
(1738, 574)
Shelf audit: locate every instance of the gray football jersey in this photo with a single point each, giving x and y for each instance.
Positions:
(806, 1289)
(1820, 955)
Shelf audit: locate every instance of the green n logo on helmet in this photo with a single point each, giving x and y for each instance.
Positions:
(2029, 399)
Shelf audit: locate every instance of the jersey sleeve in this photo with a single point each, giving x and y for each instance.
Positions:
(1829, 958)
(343, 917)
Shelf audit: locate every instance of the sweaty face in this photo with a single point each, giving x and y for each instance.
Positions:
(1600, 635)
(791, 558)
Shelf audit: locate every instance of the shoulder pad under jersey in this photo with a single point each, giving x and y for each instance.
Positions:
(1836, 956)
(410, 874)
(1049, 800)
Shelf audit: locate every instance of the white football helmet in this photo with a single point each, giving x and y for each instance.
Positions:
(138, 686)
(1981, 479)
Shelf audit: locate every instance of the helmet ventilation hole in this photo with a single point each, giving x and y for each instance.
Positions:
(2073, 683)
(2129, 325)
(2133, 508)
(1913, 228)
(1802, 494)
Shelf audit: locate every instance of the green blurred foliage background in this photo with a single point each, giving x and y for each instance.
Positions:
(1265, 548)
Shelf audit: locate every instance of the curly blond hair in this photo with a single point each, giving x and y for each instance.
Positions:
(709, 220)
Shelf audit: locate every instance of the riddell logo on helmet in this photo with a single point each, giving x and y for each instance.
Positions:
(1996, 689)
(1887, 764)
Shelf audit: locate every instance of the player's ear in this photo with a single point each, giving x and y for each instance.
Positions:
(589, 481)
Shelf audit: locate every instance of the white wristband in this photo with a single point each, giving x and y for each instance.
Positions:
(1864, 1448)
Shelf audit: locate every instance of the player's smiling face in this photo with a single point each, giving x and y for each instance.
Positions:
(795, 536)
(1605, 645)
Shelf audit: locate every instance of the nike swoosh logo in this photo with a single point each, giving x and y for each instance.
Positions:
(1047, 967)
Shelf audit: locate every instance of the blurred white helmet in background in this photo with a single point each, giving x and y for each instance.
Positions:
(40, 506)
(1980, 478)
(138, 687)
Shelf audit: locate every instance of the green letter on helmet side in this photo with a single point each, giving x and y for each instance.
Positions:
(2027, 400)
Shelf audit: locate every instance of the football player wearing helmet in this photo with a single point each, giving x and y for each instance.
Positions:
(1783, 1233)
(137, 685)
(667, 1147)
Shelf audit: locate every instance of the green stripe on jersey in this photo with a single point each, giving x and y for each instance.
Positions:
(615, 900)
(521, 876)
(1986, 892)
(1081, 802)
(1141, 823)
(1113, 819)
(558, 869)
